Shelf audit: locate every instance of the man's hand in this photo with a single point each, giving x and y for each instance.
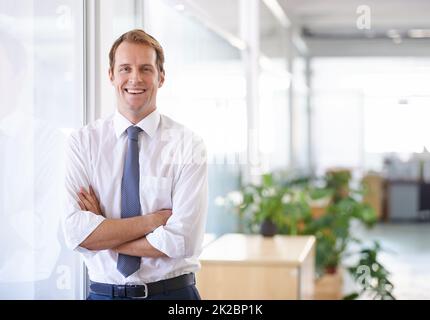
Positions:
(141, 247)
(88, 201)
(112, 233)
(161, 217)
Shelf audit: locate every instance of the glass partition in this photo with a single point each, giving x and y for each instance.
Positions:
(274, 83)
(205, 90)
(41, 85)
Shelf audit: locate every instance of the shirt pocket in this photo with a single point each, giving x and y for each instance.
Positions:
(155, 193)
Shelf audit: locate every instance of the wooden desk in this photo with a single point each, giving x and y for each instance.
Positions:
(238, 266)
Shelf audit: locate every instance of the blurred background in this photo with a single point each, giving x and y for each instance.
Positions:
(297, 89)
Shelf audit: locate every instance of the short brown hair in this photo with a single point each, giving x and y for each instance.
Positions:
(138, 36)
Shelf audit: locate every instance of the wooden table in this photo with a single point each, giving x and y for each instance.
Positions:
(238, 266)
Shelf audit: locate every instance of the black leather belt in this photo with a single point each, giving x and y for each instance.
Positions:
(142, 290)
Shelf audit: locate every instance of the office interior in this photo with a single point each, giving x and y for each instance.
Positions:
(280, 90)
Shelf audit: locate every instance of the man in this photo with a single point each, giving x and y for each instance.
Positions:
(141, 180)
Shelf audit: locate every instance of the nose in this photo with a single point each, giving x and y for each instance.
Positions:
(135, 77)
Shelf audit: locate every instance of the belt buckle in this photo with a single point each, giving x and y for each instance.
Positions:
(138, 285)
(120, 291)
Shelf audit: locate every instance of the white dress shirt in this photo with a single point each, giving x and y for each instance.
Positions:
(173, 175)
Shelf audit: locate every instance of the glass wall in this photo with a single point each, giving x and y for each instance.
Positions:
(274, 81)
(337, 130)
(113, 19)
(369, 109)
(42, 79)
(42, 101)
(205, 90)
(222, 14)
(300, 116)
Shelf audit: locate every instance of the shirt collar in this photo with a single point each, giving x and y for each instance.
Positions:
(149, 124)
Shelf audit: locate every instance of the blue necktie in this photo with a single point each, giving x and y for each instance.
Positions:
(130, 202)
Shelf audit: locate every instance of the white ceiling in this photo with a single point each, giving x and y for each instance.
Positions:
(329, 27)
(340, 16)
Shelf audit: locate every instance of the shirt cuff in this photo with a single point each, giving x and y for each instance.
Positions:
(91, 223)
(167, 242)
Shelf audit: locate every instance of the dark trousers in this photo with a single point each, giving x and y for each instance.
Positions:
(187, 293)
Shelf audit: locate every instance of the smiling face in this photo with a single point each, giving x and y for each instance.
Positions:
(136, 79)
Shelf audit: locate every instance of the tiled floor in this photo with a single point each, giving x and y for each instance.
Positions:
(408, 258)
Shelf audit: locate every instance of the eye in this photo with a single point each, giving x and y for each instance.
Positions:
(124, 69)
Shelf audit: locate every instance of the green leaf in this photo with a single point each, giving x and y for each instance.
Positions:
(351, 296)
(267, 180)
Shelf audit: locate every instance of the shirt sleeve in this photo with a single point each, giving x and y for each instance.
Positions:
(77, 224)
(182, 236)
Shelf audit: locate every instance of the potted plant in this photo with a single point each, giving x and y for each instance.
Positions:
(370, 276)
(338, 206)
(285, 206)
(267, 207)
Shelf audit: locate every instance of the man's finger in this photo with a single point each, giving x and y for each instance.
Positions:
(86, 203)
(94, 198)
(90, 198)
(84, 192)
(92, 193)
(81, 205)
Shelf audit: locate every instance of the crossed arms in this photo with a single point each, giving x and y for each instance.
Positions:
(126, 236)
(154, 234)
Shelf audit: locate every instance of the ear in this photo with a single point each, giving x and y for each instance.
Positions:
(111, 78)
(161, 79)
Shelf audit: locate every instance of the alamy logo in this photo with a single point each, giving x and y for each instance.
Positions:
(364, 276)
(64, 279)
(364, 18)
(64, 17)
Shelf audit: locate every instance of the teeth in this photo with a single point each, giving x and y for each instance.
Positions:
(134, 91)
